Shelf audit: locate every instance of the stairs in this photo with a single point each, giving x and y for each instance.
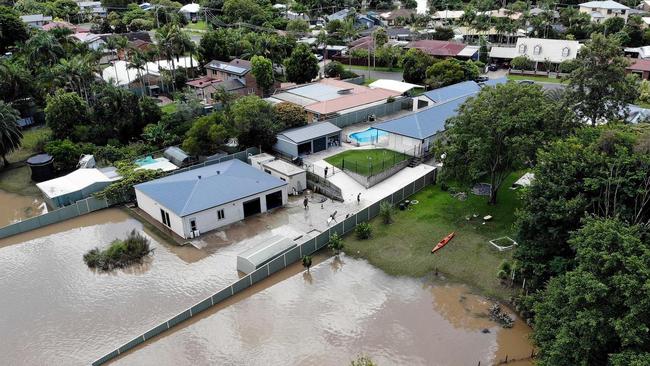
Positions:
(414, 161)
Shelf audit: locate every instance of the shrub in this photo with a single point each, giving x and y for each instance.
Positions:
(336, 243)
(334, 69)
(347, 74)
(444, 187)
(363, 231)
(386, 212)
(306, 261)
(120, 253)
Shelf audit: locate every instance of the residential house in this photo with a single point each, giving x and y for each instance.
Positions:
(539, 50)
(200, 200)
(120, 75)
(238, 73)
(360, 20)
(599, 11)
(91, 9)
(94, 41)
(640, 67)
(310, 139)
(445, 48)
(60, 24)
(190, 11)
(392, 16)
(328, 98)
(36, 20)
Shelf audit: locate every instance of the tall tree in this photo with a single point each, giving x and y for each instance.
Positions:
(12, 29)
(262, 69)
(206, 135)
(64, 112)
(599, 85)
(251, 120)
(415, 64)
(497, 132)
(289, 115)
(302, 65)
(10, 135)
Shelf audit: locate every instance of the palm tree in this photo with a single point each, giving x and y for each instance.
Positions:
(112, 45)
(10, 135)
(122, 44)
(43, 49)
(138, 62)
(348, 33)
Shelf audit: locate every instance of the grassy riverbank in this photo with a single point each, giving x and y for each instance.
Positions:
(403, 248)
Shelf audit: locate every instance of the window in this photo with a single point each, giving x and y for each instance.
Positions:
(165, 218)
(220, 215)
(267, 171)
(609, 11)
(193, 225)
(537, 50)
(522, 48)
(565, 52)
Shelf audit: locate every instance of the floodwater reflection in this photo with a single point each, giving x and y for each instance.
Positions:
(14, 207)
(334, 313)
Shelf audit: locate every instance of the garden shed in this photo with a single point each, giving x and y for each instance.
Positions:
(308, 139)
(79, 184)
(263, 253)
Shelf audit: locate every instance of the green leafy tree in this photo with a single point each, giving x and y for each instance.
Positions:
(380, 36)
(599, 85)
(497, 132)
(443, 33)
(10, 135)
(388, 56)
(298, 26)
(247, 11)
(613, 25)
(598, 312)
(302, 65)
(251, 120)
(521, 63)
(206, 135)
(16, 81)
(122, 190)
(215, 45)
(117, 114)
(262, 69)
(306, 261)
(451, 71)
(415, 64)
(64, 9)
(334, 69)
(363, 231)
(335, 243)
(65, 153)
(289, 115)
(12, 29)
(64, 112)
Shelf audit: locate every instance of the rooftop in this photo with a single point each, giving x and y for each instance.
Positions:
(236, 67)
(35, 18)
(604, 5)
(75, 181)
(283, 167)
(640, 65)
(394, 85)
(301, 134)
(454, 91)
(203, 188)
(437, 48)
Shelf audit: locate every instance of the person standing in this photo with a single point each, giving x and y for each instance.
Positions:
(359, 198)
(305, 203)
(326, 169)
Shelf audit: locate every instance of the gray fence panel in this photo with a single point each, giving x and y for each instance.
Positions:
(48, 218)
(201, 306)
(373, 210)
(398, 197)
(106, 358)
(362, 216)
(307, 247)
(29, 224)
(221, 295)
(82, 207)
(96, 204)
(179, 318)
(260, 274)
(294, 254)
(408, 190)
(349, 224)
(131, 344)
(242, 284)
(9, 230)
(322, 240)
(276, 265)
(155, 331)
(67, 212)
(419, 184)
(338, 228)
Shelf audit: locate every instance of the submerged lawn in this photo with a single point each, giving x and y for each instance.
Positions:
(366, 161)
(404, 247)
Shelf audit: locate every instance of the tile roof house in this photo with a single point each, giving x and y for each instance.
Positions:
(236, 75)
(440, 48)
(640, 67)
(203, 199)
(599, 11)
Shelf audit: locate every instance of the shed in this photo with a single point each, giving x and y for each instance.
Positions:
(177, 156)
(263, 253)
(42, 167)
(258, 160)
(307, 140)
(79, 184)
(190, 11)
(292, 174)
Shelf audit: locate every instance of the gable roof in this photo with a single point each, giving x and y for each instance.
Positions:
(235, 67)
(306, 133)
(640, 65)
(604, 5)
(211, 186)
(550, 49)
(31, 18)
(454, 91)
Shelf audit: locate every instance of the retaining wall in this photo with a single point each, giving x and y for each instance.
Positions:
(306, 248)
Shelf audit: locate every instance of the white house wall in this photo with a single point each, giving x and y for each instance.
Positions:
(403, 144)
(152, 207)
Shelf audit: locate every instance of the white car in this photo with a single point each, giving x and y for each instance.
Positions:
(319, 57)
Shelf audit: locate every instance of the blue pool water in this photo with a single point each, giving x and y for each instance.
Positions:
(369, 135)
(145, 161)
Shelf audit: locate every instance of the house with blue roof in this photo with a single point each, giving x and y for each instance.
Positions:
(415, 133)
(203, 199)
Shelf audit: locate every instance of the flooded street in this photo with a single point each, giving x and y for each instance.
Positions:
(14, 207)
(341, 309)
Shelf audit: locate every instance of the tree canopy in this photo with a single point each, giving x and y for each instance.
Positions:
(10, 134)
(302, 65)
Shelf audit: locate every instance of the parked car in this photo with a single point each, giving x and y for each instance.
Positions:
(527, 82)
(482, 79)
(319, 57)
(493, 67)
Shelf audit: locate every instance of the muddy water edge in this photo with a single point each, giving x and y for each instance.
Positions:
(15, 207)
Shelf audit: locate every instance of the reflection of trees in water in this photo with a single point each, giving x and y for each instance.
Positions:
(337, 264)
(308, 277)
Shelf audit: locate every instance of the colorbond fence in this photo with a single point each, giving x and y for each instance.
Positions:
(76, 209)
(308, 247)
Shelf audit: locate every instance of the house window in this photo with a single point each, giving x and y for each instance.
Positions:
(594, 9)
(537, 50)
(267, 171)
(220, 215)
(522, 48)
(193, 224)
(565, 52)
(609, 11)
(165, 217)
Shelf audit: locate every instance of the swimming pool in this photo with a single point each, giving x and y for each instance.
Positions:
(369, 135)
(145, 161)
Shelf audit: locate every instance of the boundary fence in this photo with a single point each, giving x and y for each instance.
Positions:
(308, 247)
(377, 111)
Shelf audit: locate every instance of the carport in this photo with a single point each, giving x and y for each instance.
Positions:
(308, 139)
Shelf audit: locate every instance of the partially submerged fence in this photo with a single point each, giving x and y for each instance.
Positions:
(76, 209)
(308, 247)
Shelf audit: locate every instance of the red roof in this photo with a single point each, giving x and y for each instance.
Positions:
(640, 65)
(57, 24)
(438, 48)
(203, 82)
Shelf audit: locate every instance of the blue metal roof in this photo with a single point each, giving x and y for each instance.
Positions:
(495, 82)
(204, 188)
(454, 91)
(430, 121)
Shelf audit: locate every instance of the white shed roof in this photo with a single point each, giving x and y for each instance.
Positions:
(604, 5)
(190, 8)
(283, 167)
(553, 50)
(121, 76)
(73, 182)
(259, 255)
(503, 52)
(398, 86)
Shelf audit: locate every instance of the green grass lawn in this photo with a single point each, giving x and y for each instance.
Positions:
(377, 68)
(366, 161)
(367, 81)
(538, 79)
(200, 25)
(19, 181)
(403, 248)
(169, 108)
(30, 142)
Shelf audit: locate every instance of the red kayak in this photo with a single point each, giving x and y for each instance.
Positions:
(443, 242)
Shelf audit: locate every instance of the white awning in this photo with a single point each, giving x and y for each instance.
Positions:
(398, 86)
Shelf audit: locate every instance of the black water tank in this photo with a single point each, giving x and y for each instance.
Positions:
(42, 166)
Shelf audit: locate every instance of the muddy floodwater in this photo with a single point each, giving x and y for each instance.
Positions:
(14, 207)
(341, 309)
(56, 311)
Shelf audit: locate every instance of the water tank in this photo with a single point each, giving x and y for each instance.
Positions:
(42, 166)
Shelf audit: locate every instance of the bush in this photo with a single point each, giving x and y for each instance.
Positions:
(120, 253)
(444, 187)
(347, 74)
(363, 231)
(336, 243)
(521, 63)
(334, 69)
(386, 212)
(65, 153)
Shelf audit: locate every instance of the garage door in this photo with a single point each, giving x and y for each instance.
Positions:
(319, 144)
(273, 200)
(252, 207)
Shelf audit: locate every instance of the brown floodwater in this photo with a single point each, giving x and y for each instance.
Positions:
(56, 311)
(14, 207)
(341, 309)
